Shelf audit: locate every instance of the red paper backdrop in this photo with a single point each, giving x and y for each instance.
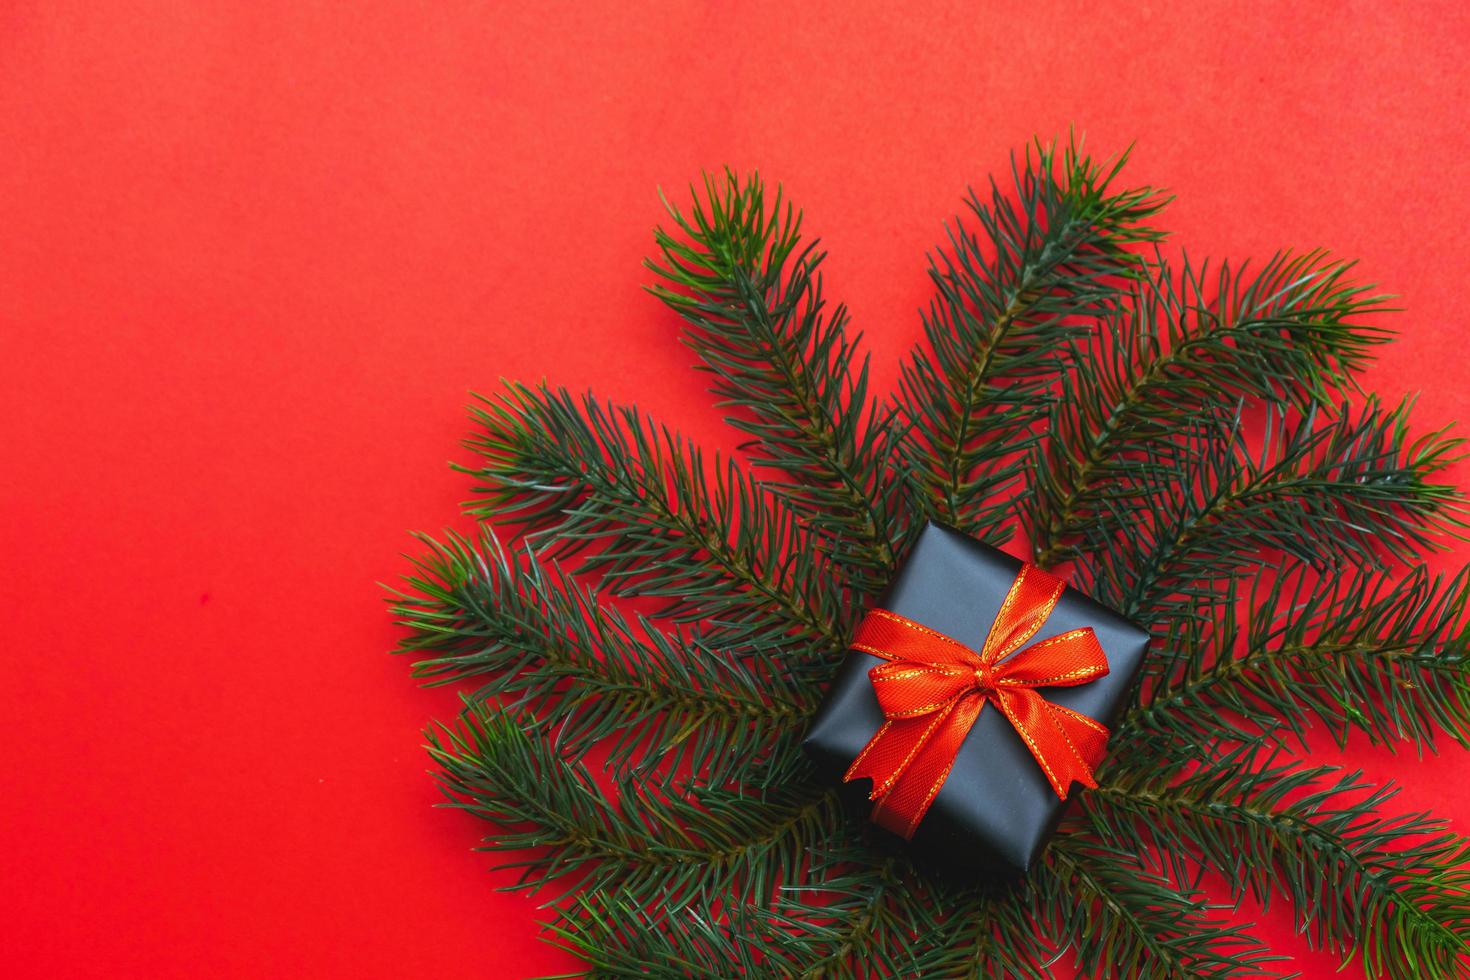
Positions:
(255, 255)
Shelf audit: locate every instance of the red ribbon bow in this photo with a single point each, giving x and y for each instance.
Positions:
(933, 687)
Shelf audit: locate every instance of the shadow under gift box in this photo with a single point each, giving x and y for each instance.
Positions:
(996, 810)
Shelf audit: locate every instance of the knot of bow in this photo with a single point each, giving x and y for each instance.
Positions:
(933, 687)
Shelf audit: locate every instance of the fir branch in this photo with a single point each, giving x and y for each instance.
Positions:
(726, 554)
(1392, 889)
(852, 933)
(1378, 653)
(856, 916)
(1123, 921)
(657, 843)
(1008, 299)
(1345, 493)
(858, 907)
(619, 937)
(989, 930)
(537, 640)
(853, 922)
(750, 294)
(1188, 344)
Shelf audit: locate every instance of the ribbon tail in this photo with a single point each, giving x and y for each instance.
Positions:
(1088, 738)
(891, 749)
(901, 808)
(1066, 744)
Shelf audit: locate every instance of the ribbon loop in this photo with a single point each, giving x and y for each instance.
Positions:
(907, 689)
(932, 689)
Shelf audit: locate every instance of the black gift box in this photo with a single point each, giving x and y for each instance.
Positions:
(996, 809)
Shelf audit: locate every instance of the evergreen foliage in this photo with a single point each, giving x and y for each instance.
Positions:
(1187, 440)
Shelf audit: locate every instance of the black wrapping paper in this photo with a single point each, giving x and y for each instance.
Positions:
(996, 810)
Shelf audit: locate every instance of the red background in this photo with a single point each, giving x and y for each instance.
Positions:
(254, 256)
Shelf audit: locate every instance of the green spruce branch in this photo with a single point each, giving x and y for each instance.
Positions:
(1010, 294)
(659, 841)
(716, 546)
(1349, 492)
(619, 937)
(535, 640)
(1391, 889)
(736, 270)
(1186, 344)
(1122, 921)
(1383, 653)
